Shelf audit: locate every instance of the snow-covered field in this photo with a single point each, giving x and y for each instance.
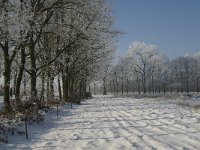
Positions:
(115, 123)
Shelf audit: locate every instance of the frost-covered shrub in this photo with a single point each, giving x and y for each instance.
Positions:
(42, 113)
(183, 104)
(51, 103)
(75, 98)
(6, 130)
(88, 95)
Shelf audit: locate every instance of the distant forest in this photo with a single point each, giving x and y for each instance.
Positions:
(145, 70)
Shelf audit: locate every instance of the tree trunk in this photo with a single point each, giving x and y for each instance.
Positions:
(171, 88)
(80, 89)
(111, 87)
(7, 85)
(197, 80)
(144, 87)
(164, 89)
(43, 88)
(64, 87)
(71, 86)
(127, 87)
(149, 87)
(152, 82)
(144, 79)
(85, 87)
(122, 84)
(59, 88)
(48, 86)
(15, 80)
(67, 87)
(138, 83)
(104, 86)
(89, 88)
(94, 88)
(187, 85)
(33, 72)
(6, 74)
(24, 83)
(19, 77)
(52, 87)
(182, 82)
(114, 86)
(159, 87)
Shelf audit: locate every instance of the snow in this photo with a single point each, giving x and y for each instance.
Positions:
(105, 122)
(1, 102)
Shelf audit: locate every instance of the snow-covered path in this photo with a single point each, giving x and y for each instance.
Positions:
(116, 123)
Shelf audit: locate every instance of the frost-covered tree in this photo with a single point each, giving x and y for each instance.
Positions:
(14, 21)
(49, 39)
(185, 73)
(158, 71)
(142, 67)
(142, 56)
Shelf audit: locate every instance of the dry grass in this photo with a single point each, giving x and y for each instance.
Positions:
(197, 106)
(189, 100)
(183, 104)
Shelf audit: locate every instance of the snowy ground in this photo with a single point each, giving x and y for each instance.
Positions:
(115, 123)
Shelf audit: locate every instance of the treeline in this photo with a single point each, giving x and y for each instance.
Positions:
(145, 70)
(48, 43)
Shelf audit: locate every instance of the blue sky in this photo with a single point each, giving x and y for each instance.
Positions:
(173, 25)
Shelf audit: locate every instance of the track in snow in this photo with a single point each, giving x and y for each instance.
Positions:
(116, 123)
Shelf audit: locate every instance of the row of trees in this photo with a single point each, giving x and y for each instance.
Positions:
(144, 69)
(48, 41)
